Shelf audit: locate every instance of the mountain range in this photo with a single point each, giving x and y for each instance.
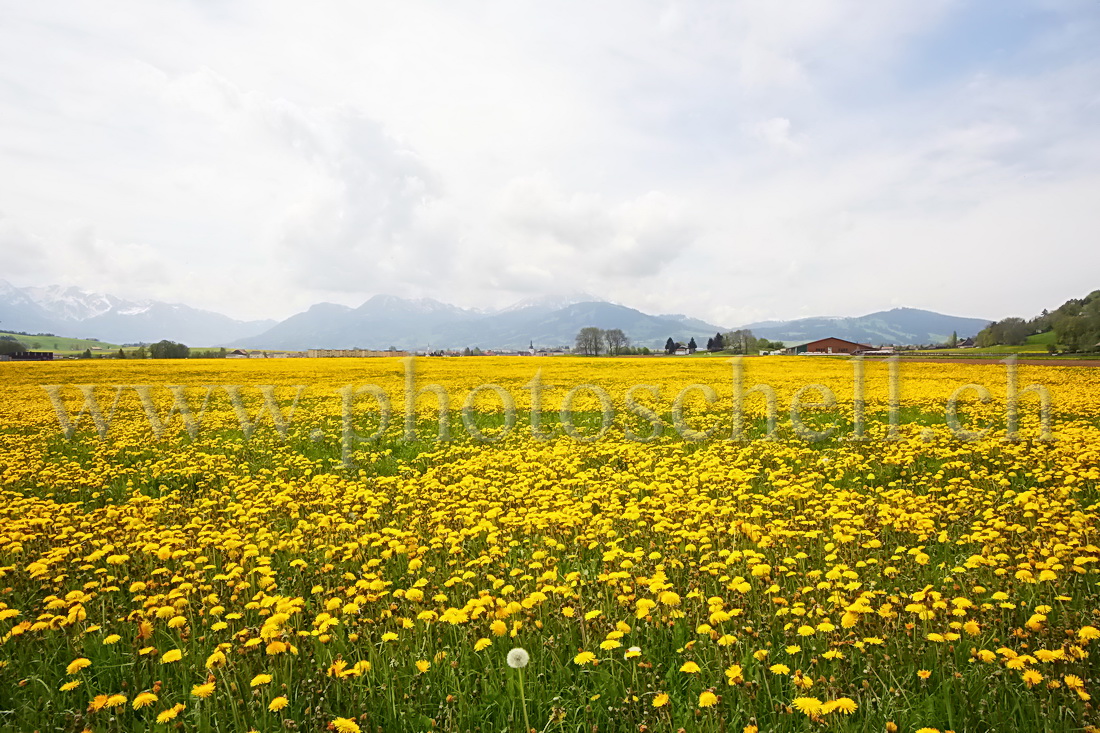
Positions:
(423, 323)
(79, 313)
(897, 326)
(386, 320)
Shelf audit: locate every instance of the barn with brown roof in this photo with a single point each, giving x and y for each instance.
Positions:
(831, 345)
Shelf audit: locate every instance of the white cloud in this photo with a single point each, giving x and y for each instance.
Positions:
(540, 235)
(777, 132)
(23, 254)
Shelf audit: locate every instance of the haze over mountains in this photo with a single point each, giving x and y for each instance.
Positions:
(79, 313)
(419, 324)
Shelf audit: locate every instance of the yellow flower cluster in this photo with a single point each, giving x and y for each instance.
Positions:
(259, 570)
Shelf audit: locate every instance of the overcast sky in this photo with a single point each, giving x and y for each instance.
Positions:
(730, 160)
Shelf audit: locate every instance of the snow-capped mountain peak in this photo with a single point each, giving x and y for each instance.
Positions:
(75, 304)
(74, 311)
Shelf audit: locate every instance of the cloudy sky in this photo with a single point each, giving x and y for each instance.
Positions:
(730, 160)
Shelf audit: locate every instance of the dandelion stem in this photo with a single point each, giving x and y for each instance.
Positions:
(523, 701)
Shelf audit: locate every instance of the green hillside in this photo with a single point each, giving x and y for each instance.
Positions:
(61, 344)
(1035, 344)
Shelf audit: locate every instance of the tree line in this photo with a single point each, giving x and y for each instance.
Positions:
(592, 341)
(161, 350)
(740, 341)
(10, 345)
(1075, 323)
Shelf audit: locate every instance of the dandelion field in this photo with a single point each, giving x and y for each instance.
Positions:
(249, 572)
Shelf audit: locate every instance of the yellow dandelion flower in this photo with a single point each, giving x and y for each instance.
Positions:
(809, 706)
(203, 691)
(77, 664)
(144, 700)
(345, 725)
(1032, 677)
(278, 703)
(734, 674)
(170, 714)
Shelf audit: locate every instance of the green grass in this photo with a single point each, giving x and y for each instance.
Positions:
(1042, 339)
(62, 344)
(966, 354)
(986, 350)
(1035, 347)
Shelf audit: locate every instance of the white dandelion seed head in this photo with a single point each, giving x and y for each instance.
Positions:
(518, 658)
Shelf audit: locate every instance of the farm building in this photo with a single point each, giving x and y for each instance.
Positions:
(831, 345)
(32, 356)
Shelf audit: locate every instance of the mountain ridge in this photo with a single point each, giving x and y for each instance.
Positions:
(55, 309)
(895, 326)
(419, 324)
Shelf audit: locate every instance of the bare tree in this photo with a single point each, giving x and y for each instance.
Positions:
(740, 342)
(616, 341)
(589, 340)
